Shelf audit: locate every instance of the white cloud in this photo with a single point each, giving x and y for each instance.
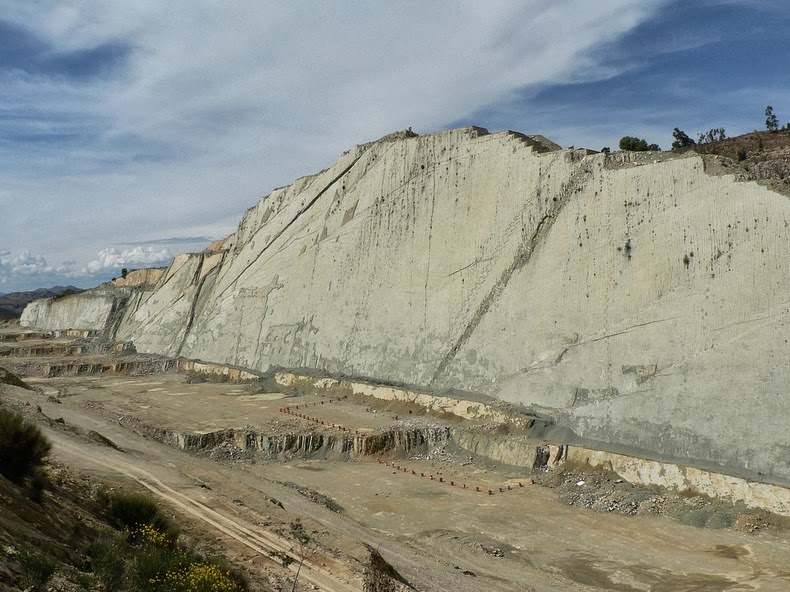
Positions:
(26, 263)
(28, 270)
(219, 103)
(23, 268)
(217, 80)
(113, 260)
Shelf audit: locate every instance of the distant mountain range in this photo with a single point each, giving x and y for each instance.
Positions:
(12, 305)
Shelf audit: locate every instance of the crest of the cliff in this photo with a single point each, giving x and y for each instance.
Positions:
(642, 300)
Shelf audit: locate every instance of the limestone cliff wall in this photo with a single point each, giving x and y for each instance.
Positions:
(94, 311)
(639, 300)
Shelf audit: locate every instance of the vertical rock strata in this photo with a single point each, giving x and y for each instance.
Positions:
(643, 304)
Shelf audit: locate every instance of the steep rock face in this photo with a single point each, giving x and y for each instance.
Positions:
(95, 312)
(158, 319)
(639, 300)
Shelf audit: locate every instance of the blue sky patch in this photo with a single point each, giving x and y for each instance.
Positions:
(21, 49)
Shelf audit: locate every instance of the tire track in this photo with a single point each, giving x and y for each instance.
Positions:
(259, 540)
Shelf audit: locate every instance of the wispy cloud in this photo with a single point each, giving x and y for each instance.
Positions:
(175, 240)
(125, 122)
(695, 65)
(112, 259)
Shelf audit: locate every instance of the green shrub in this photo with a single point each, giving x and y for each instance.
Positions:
(36, 570)
(85, 581)
(197, 575)
(22, 447)
(150, 566)
(103, 496)
(122, 563)
(133, 510)
(108, 558)
(146, 562)
(128, 510)
(147, 557)
(229, 573)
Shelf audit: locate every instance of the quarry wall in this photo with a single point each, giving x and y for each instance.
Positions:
(93, 313)
(639, 301)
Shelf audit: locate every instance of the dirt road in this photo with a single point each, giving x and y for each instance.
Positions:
(261, 541)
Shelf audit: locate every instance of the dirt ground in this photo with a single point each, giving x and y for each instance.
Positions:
(533, 532)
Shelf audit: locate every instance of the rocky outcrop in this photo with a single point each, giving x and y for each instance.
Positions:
(638, 300)
(93, 312)
(140, 277)
(309, 444)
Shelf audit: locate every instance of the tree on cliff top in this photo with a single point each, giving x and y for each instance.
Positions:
(771, 122)
(636, 144)
(716, 134)
(681, 139)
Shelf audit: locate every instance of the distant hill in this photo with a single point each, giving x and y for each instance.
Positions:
(12, 305)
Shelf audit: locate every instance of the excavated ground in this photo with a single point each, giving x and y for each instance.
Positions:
(241, 461)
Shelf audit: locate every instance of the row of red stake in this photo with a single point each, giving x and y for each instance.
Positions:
(292, 410)
(440, 479)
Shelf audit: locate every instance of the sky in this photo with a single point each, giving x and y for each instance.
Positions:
(134, 130)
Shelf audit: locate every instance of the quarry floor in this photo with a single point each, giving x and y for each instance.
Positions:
(437, 536)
